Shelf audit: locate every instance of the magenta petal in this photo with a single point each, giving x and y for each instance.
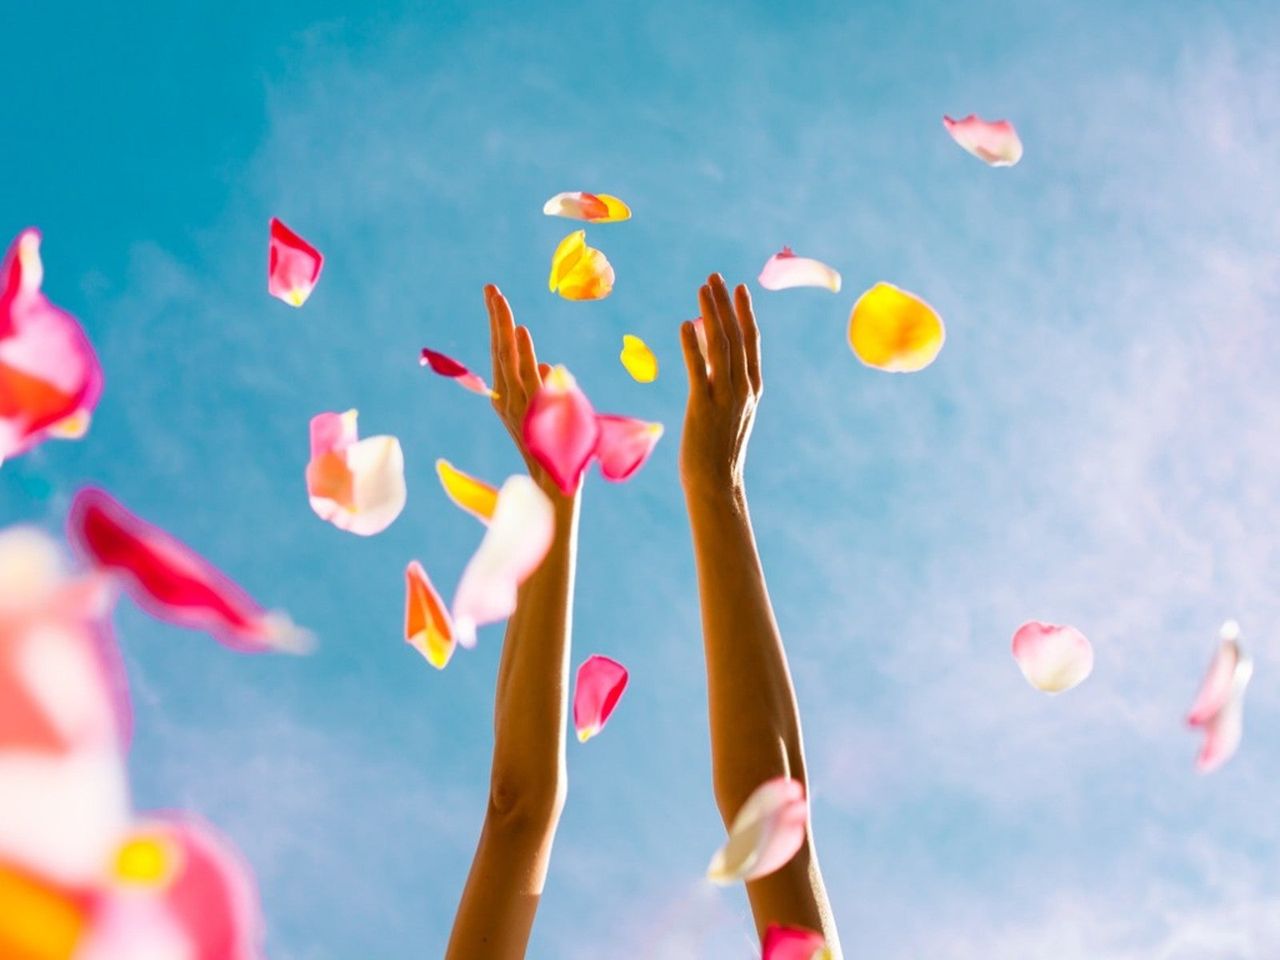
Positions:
(624, 445)
(600, 685)
(293, 265)
(171, 581)
(791, 943)
(446, 366)
(561, 429)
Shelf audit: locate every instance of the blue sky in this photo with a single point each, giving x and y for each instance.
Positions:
(1094, 444)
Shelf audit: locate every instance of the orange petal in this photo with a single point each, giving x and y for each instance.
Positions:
(893, 330)
(427, 625)
(472, 495)
(580, 272)
(38, 921)
(638, 359)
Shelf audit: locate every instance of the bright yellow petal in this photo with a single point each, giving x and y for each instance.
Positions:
(638, 359)
(590, 277)
(472, 495)
(893, 330)
(146, 860)
(617, 209)
(566, 257)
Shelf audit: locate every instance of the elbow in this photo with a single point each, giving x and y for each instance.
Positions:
(528, 802)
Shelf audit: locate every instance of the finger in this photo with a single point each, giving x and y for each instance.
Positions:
(693, 359)
(543, 370)
(717, 346)
(506, 344)
(732, 332)
(750, 335)
(499, 380)
(527, 361)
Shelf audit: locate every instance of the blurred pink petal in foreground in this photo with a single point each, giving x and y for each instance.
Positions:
(50, 378)
(357, 485)
(560, 429)
(592, 207)
(64, 714)
(518, 537)
(793, 943)
(785, 270)
(293, 265)
(451, 368)
(171, 581)
(1051, 657)
(994, 142)
(597, 691)
(765, 835)
(1219, 706)
(624, 444)
(428, 628)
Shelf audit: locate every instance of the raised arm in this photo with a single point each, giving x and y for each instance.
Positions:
(755, 723)
(527, 782)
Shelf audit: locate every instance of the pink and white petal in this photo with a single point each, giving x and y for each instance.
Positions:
(994, 142)
(333, 432)
(767, 832)
(293, 265)
(595, 208)
(599, 686)
(561, 429)
(1053, 658)
(516, 541)
(785, 270)
(792, 943)
(379, 490)
(1219, 681)
(624, 444)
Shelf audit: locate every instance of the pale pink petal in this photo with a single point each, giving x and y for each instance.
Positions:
(767, 832)
(994, 142)
(170, 580)
(597, 691)
(1053, 658)
(448, 367)
(792, 943)
(1220, 680)
(784, 270)
(1219, 706)
(293, 265)
(518, 537)
(624, 445)
(560, 429)
(357, 485)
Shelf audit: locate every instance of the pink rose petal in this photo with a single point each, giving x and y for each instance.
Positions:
(357, 485)
(599, 686)
(448, 367)
(1051, 657)
(792, 943)
(560, 429)
(624, 444)
(767, 832)
(994, 142)
(1219, 705)
(293, 265)
(785, 270)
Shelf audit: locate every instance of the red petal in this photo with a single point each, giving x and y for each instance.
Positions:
(293, 265)
(599, 686)
(561, 429)
(624, 445)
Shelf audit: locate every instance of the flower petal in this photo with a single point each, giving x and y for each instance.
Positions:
(560, 429)
(50, 377)
(41, 919)
(171, 581)
(474, 496)
(427, 624)
(638, 359)
(784, 270)
(994, 142)
(518, 537)
(765, 835)
(599, 686)
(624, 444)
(448, 367)
(793, 943)
(1052, 658)
(893, 330)
(580, 272)
(592, 207)
(293, 265)
(357, 485)
(1219, 706)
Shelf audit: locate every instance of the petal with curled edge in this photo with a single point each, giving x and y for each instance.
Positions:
(767, 832)
(624, 444)
(580, 272)
(638, 359)
(474, 496)
(794, 943)
(518, 538)
(446, 366)
(995, 142)
(357, 485)
(560, 429)
(592, 207)
(1053, 658)
(893, 330)
(293, 265)
(428, 627)
(171, 581)
(599, 686)
(1219, 705)
(785, 270)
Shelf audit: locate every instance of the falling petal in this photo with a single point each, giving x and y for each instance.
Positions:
(560, 429)
(427, 625)
(50, 378)
(518, 537)
(784, 270)
(1219, 705)
(592, 207)
(700, 331)
(580, 272)
(41, 919)
(448, 367)
(474, 496)
(624, 444)
(994, 142)
(638, 359)
(793, 943)
(1052, 658)
(893, 330)
(766, 833)
(293, 265)
(600, 685)
(171, 581)
(357, 485)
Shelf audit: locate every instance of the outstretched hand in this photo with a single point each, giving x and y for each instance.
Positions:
(724, 389)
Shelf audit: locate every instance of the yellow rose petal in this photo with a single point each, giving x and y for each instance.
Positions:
(472, 495)
(638, 359)
(893, 330)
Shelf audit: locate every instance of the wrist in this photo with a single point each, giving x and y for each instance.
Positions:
(715, 491)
